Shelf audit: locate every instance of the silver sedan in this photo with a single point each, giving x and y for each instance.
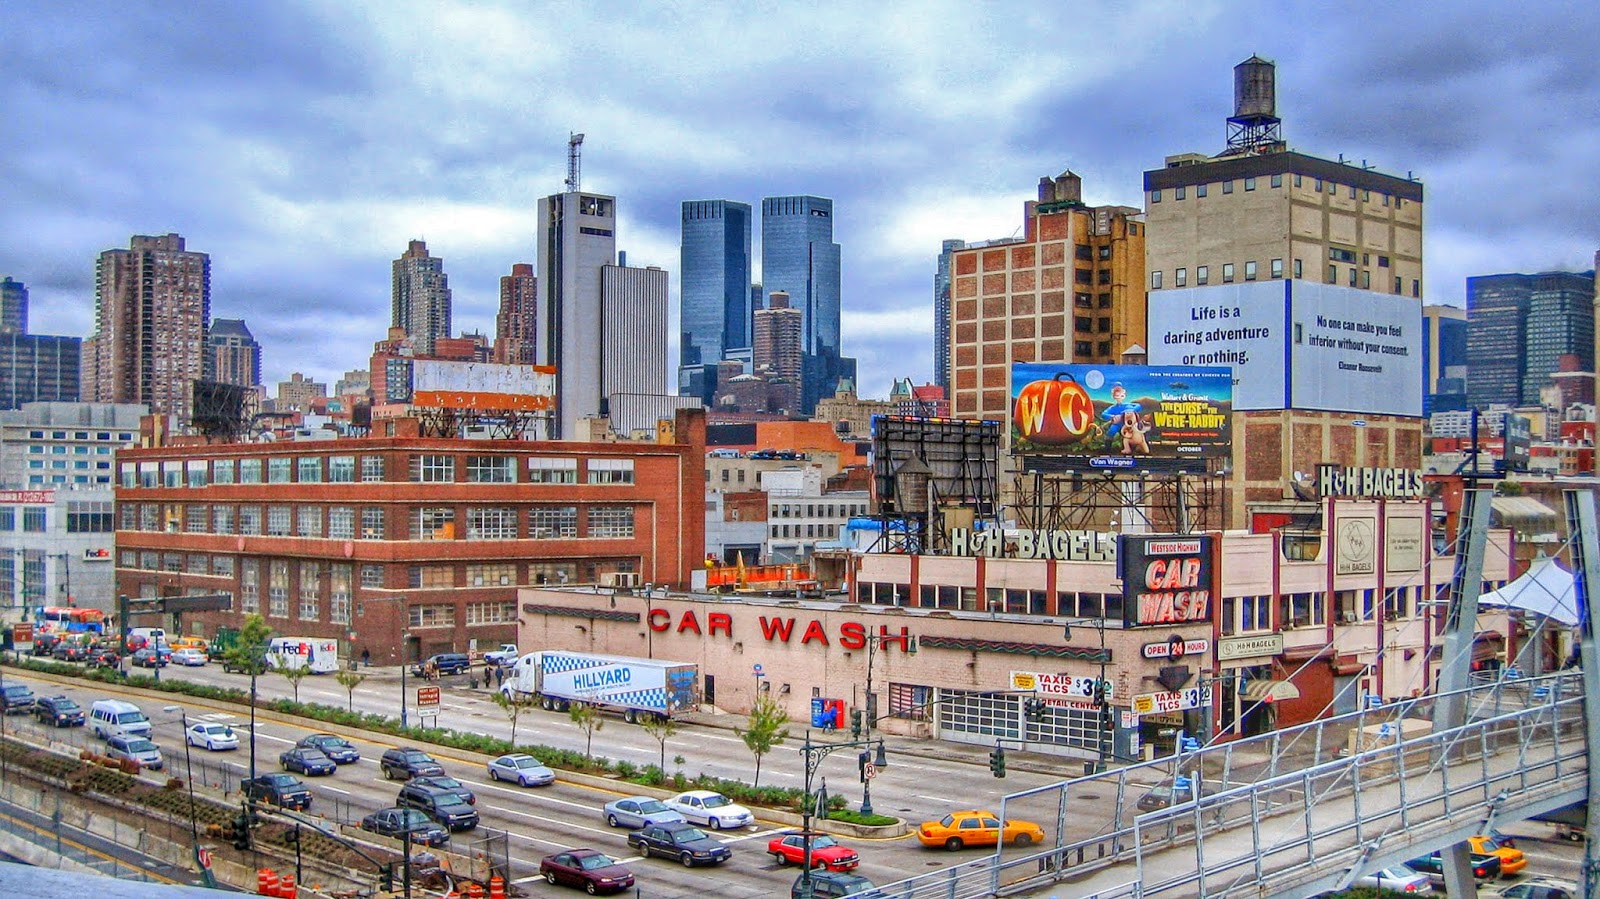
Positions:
(635, 812)
(524, 770)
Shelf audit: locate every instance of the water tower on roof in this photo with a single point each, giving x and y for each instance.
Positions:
(1254, 127)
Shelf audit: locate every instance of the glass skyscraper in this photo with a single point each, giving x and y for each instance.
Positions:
(1519, 326)
(715, 297)
(799, 257)
(941, 314)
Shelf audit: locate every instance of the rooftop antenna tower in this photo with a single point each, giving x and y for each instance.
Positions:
(574, 162)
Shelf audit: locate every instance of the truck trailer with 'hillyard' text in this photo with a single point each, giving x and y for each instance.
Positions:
(555, 679)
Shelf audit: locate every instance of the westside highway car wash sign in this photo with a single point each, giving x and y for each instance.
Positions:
(1166, 580)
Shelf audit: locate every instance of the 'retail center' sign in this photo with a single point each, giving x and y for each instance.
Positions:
(1166, 580)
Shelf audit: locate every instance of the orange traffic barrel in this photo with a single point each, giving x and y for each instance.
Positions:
(286, 888)
(267, 882)
(497, 887)
(474, 890)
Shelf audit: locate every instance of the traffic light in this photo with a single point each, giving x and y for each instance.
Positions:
(997, 761)
(1033, 709)
(241, 832)
(386, 877)
(1100, 693)
(861, 764)
(856, 717)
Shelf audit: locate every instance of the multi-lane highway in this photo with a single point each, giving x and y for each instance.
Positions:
(540, 820)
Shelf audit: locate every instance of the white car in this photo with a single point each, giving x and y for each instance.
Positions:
(211, 736)
(711, 809)
(1398, 878)
(193, 658)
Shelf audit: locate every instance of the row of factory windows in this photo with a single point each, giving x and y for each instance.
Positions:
(543, 522)
(425, 468)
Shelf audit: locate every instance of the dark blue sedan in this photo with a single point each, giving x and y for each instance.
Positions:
(308, 761)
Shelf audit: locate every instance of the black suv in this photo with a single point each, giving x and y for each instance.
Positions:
(283, 790)
(828, 884)
(15, 699)
(444, 663)
(440, 804)
(393, 822)
(407, 762)
(58, 710)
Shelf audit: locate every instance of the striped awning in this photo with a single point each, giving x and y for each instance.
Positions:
(1264, 690)
(1512, 511)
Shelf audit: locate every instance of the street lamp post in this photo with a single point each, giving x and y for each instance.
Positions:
(813, 754)
(1101, 695)
(188, 775)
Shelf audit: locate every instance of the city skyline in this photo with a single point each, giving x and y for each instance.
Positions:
(274, 149)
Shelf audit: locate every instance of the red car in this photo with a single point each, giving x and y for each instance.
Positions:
(594, 872)
(825, 852)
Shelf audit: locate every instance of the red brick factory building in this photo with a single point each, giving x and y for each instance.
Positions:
(367, 539)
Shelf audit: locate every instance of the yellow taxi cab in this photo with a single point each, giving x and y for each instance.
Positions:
(976, 828)
(1511, 860)
(177, 643)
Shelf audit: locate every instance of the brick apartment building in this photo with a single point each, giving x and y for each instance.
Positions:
(368, 539)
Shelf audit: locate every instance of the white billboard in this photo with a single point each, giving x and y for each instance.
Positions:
(1355, 351)
(1297, 344)
(481, 385)
(1238, 325)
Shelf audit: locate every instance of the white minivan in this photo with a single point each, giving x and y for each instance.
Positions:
(115, 718)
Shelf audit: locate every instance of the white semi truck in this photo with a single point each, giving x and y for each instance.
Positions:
(634, 687)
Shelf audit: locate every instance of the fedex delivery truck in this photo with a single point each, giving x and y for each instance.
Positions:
(319, 654)
(635, 687)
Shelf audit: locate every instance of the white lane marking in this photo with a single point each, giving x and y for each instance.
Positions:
(754, 835)
(334, 789)
(560, 822)
(941, 799)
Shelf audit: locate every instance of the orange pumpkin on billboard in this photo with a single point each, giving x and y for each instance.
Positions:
(1056, 411)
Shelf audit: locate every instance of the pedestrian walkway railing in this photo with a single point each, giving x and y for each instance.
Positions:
(1523, 735)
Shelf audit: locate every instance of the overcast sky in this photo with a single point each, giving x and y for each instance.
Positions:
(302, 145)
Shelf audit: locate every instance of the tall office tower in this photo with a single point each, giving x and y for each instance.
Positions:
(799, 258)
(152, 309)
(633, 331)
(1519, 327)
(714, 291)
(602, 326)
(232, 354)
(1069, 290)
(33, 367)
(421, 297)
(13, 307)
(1444, 359)
(777, 352)
(1257, 258)
(518, 319)
(941, 315)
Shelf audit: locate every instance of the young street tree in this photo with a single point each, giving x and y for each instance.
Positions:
(766, 730)
(294, 674)
(349, 680)
(513, 706)
(587, 718)
(662, 729)
(249, 655)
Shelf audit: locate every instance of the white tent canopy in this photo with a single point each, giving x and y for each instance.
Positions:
(1546, 589)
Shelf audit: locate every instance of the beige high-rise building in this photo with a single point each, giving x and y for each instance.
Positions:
(1070, 290)
(152, 308)
(777, 354)
(420, 297)
(1350, 236)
